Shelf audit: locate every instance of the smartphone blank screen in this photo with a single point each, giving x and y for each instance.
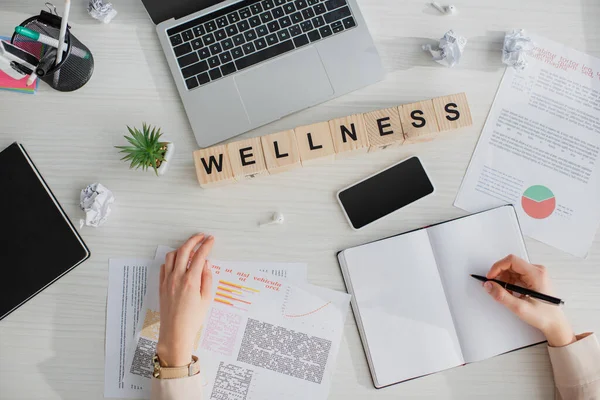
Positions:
(386, 192)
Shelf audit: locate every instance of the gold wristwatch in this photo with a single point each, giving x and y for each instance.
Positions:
(161, 372)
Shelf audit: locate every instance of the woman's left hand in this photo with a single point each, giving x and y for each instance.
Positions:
(185, 293)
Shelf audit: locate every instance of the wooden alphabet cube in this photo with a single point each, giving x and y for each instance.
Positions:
(418, 121)
(281, 151)
(315, 143)
(452, 111)
(325, 141)
(213, 166)
(349, 134)
(384, 128)
(247, 159)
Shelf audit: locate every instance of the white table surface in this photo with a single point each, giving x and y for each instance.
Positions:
(53, 347)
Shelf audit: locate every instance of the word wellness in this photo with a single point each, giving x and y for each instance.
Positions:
(324, 141)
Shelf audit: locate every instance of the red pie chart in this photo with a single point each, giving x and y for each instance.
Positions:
(538, 202)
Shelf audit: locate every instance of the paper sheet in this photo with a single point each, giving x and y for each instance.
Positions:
(401, 308)
(14, 85)
(264, 337)
(126, 290)
(470, 246)
(540, 146)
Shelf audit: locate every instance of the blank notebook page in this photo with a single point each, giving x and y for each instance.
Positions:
(471, 245)
(402, 310)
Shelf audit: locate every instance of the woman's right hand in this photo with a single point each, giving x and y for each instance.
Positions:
(548, 318)
(185, 295)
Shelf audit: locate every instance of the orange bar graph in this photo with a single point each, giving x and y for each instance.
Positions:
(232, 298)
(239, 286)
(223, 301)
(229, 290)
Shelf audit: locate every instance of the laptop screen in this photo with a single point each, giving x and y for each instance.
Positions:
(161, 10)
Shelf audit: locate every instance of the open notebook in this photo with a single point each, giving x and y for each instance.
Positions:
(417, 309)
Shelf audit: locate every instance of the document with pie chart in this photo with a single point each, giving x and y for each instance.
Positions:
(538, 202)
(540, 148)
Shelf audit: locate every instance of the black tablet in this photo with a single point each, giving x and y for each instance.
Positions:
(38, 243)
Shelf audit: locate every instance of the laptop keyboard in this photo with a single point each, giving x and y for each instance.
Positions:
(249, 32)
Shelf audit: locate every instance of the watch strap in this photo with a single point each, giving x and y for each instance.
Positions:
(161, 372)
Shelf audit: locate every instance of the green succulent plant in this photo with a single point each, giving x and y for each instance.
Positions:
(145, 150)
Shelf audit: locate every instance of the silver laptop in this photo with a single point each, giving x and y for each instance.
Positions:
(242, 64)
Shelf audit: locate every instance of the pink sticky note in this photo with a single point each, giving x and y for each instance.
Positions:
(6, 82)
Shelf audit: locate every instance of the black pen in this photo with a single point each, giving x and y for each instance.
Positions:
(522, 290)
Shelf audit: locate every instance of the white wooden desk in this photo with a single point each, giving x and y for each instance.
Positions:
(53, 347)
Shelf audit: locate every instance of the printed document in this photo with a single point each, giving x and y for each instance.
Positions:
(263, 338)
(126, 291)
(539, 148)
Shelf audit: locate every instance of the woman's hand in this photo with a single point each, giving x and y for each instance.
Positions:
(548, 318)
(185, 291)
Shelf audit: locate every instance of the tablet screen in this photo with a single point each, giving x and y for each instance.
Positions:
(38, 243)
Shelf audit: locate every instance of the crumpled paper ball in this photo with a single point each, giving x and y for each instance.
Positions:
(95, 201)
(516, 47)
(101, 11)
(449, 50)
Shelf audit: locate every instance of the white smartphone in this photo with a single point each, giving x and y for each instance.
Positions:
(385, 192)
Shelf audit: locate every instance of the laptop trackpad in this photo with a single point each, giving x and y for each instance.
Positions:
(285, 85)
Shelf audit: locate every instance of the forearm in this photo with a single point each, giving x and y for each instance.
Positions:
(189, 388)
(577, 368)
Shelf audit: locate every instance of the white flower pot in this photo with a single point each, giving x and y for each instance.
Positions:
(164, 166)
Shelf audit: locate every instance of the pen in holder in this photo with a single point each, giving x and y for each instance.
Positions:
(39, 35)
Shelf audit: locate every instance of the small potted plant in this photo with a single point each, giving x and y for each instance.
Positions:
(146, 150)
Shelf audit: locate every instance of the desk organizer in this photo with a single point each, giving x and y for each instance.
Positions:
(324, 141)
(77, 65)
